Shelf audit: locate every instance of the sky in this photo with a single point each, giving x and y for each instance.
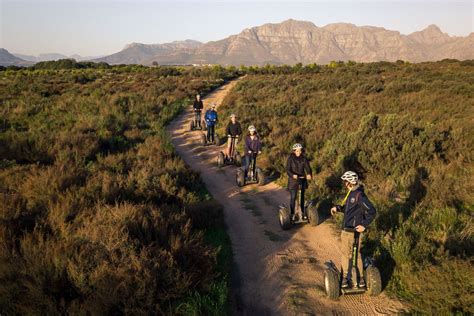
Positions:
(102, 27)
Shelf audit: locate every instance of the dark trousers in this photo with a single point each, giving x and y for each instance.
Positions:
(293, 193)
(210, 133)
(197, 118)
(246, 163)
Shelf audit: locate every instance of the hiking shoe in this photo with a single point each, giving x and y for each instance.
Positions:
(345, 283)
(354, 285)
(297, 217)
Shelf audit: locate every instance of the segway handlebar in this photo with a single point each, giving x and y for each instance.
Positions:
(353, 230)
(349, 229)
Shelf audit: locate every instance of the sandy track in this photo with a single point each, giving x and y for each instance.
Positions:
(276, 272)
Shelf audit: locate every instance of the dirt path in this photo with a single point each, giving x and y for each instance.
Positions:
(276, 272)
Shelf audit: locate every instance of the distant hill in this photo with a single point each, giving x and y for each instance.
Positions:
(53, 56)
(137, 53)
(8, 59)
(294, 41)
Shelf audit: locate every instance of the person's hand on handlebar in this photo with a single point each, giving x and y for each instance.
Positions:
(360, 228)
(295, 176)
(259, 152)
(308, 177)
(333, 210)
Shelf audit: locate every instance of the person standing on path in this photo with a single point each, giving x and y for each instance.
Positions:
(299, 172)
(211, 121)
(197, 106)
(358, 214)
(253, 146)
(234, 129)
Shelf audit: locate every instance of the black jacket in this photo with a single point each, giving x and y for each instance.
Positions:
(358, 210)
(198, 105)
(233, 129)
(299, 166)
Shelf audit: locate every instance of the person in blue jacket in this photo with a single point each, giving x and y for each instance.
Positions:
(211, 121)
(358, 214)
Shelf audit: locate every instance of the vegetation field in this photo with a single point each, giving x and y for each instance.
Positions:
(98, 215)
(408, 130)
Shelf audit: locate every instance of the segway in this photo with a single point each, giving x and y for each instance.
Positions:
(254, 174)
(371, 275)
(309, 214)
(204, 141)
(193, 125)
(233, 159)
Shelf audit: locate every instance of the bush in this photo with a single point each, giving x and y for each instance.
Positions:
(410, 140)
(98, 215)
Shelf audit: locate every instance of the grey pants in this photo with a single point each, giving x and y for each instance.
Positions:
(347, 239)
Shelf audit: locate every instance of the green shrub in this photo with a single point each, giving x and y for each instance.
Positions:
(98, 215)
(407, 130)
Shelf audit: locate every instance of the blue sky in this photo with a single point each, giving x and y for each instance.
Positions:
(100, 27)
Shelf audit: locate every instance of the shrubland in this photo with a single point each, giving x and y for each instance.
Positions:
(408, 130)
(98, 215)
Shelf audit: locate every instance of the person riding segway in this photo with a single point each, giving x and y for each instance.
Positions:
(357, 277)
(197, 109)
(250, 173)
(211, 121)
(299, 173)
(231, 155)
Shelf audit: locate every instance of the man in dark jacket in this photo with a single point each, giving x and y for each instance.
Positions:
(197, 107)
(358, 214)
(298, 170)
(211, 121)
(233, 130)
(252, 146)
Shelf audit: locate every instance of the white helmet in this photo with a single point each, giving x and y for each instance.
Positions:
(252, 128)
(351, 177)
(297, 146)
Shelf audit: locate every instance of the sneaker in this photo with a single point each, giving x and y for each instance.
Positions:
(305, 217)
(345, 283)
(293, 218)
(362, 282)
(297, 217)
(354, 285)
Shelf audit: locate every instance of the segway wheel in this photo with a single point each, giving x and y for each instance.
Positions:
(203, 140)
(237, 159)
(284, 218)
(331, 284)
(220, 159)
(313, 215)
(240, 177)
(191, 125)
(373, 280)
(260, 177)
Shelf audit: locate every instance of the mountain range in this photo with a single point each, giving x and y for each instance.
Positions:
(53, 56)
(292, 41)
